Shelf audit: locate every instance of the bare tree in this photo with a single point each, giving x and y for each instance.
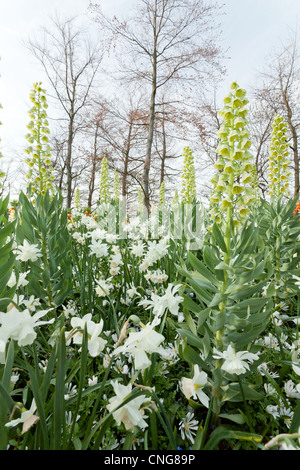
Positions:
(166, 43)
(171, 130)
(122, 126)
(71, 61)
(279, 91)
(260, 121)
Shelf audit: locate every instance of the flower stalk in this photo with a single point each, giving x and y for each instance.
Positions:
(233, 192)
(39, 151)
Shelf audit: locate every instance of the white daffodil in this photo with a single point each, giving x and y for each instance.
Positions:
(168, 301)
(157, 277)
(132, 291)
(97, 234)
(142, 343)
(137, 249)
(103, 288)
(22, 282)
(156, 251)
(98, 248)
(28, 418)
(95, 343)
(3, 341)
(194, 387)
(116, 260)
(131, 414)
(27, 252)
(235, 362)
(78, 324)
(19, 326)
(171, 300)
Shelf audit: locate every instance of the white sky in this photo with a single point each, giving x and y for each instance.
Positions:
(251, 28)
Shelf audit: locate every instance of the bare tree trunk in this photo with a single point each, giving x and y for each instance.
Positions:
(126, 161)
(60, 184)
(147, 162)
(92, 183)
(93, 170)
(69, 163)
(294, 139)
(164, 151)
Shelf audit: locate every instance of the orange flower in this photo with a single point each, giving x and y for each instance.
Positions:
(297, 208)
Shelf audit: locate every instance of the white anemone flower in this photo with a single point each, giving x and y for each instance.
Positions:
(290, 390)
(235, 362)
(131, 414)
(27, 252)
(193, 388)
(188, 427)
(93, 381)
(297, 283)
(31, 303)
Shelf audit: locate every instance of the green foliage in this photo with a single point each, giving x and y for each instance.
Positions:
(2, 173)
(45, 223)
(280, 230)
(146, 343)
(7, 257)
(234, 312)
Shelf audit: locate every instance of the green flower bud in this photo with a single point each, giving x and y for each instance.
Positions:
(237, 189)
(235, 162)
(279, 162)
(188, 187)
(104, 195)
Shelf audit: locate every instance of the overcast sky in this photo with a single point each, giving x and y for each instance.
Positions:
(251, 29)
